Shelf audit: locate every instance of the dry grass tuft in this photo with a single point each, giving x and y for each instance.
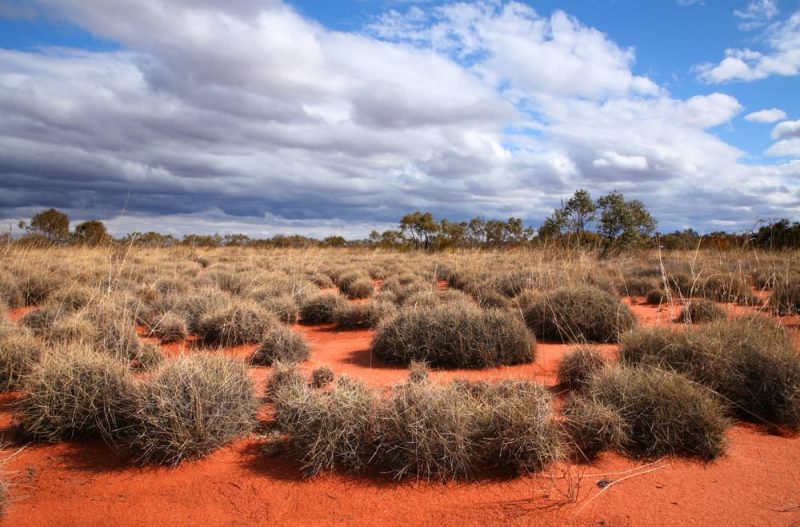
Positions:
(322, 308)
(19, 353)
(281, 344)
(578, 314)
(454, 336)
(578, 365)
(191, 407)
(592, 427)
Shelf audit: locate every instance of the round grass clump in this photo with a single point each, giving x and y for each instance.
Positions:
(19, 353)
(665, 413)
(281, 344)
(701, 310)
(361, 288)
(75, 393)
(578, 365)
(240, 323)
(785, 298)
(321, 377)
(191, 407)
(363, 316)
(656, 297)
(592, 427)
(284, 307)
(750, 362)
(577, 314)
(322, 308)
(454, 336)
(170, 328)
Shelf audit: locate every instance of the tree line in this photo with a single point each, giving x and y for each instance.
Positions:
(608, 223)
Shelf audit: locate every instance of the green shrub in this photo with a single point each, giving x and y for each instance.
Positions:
(281, 344)
(191, 407)
(453, 335)
(592, 427)
(665, 413)
(75, 393)
(577, 314)
(578, 365)
(322, 308)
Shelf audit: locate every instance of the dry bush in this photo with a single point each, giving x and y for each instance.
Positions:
(363, 316)
(521, 433)
(39, 321)
(361, 288)
(578, 365)
(656, 297)
(329, 430)
(700, 310)
(576, 314)
(665, 413)
(322, 308)
(73, 298)
(785, 298)
(170, 328)
(284, 307)
(592, 427)
(750, 362)
(284, 374)
(75, 328)
(241, 322)
(434, 432)
(19, 353)
(75, 393)
(321, 377)
(728, 287)
(454, 335)
(9, 290)
(281, 344)
(191, 407)
(118, 338)
(35, 288)
(147, 357)
(418, 371)
(639, 286)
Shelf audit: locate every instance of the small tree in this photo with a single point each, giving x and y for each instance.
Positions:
(421, 227)
(51, 223)
(623, 224)
(91, 232)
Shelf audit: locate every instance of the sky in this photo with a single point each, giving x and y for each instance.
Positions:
(267, 116)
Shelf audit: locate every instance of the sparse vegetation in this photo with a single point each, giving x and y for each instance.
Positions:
(281, 344)
(191, 407)
(75, 393)
(576, 315)
(665, 413)
(453, 336)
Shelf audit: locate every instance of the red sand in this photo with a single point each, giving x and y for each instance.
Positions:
(87, 484)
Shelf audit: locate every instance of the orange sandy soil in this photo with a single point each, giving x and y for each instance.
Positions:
(86, 483)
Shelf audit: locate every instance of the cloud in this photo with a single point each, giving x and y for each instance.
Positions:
(757, 13)
(770, 115)
(244, 116)
(787, 129)
(13, 10)
(615, 160)
(782, 57)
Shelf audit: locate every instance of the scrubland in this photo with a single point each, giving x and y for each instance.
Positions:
(468, 366)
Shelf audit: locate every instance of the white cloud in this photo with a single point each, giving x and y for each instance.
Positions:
(770, 115)
(782, 57)
(244, 114)
(787, 129)
(615, 160)
(786, 148)
(757, 13)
